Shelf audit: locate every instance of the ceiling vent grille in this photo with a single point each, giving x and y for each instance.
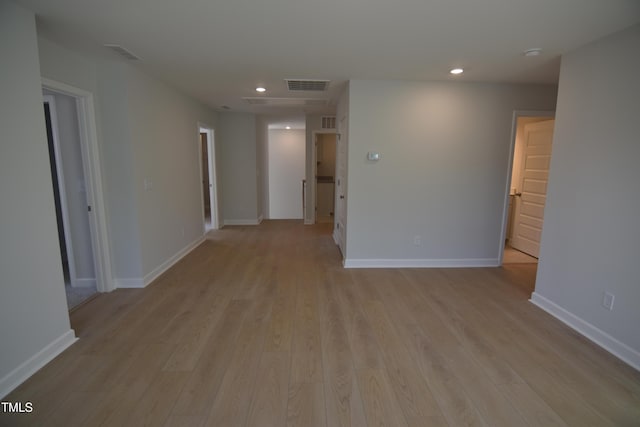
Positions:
(307, 85)
(126, 54)
(328, 122)
(287, 102)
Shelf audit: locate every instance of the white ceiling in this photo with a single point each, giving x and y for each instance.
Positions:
(218, 51)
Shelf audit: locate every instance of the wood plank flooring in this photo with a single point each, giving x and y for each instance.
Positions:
(261, 326)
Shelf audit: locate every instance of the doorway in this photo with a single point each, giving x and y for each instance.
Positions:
(286, 154)
(91, 186)
(69, 190)
(208, 178)
(325, 173)
(531, 148)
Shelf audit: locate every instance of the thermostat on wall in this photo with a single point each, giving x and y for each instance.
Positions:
(373, 156)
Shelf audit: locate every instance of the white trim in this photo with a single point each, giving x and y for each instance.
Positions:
(308, 222)
(260, 219)
(129, 283)
(153, 275)
(93, 177)
(84, 283)
(421, 263)
(509, 172)
(242, 221)
(16, 377)
(603, 339)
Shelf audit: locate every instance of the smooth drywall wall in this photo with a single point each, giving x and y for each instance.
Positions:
(74, 187)
(590, 240)
(33, 309)
(236, 136)
(436, 196)
(165, 138)
(286, 171)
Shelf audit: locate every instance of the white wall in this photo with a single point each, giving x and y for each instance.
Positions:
(590, 240)
(165, 137)
(286, 171)
(444, 153)
(236, 136)
(34, 323)
(74, 186)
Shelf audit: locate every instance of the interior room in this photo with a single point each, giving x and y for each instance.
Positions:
(456, 243)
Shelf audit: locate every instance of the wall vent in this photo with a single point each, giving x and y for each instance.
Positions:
(328, 122)
(298, 85)
(126, 54)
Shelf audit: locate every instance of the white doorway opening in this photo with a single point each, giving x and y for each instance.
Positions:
(86, 190)
(525, 195)
(324, 172)
(207, 160)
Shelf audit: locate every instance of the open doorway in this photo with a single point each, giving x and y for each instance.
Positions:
(87, 190)
(70, 196)
(286, 153)
(208, 178)
(325, 173)
(531, 148)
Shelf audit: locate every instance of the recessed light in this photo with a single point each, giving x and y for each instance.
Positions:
(456, 71)
(288, 127)
(260, 89)
(532, 52)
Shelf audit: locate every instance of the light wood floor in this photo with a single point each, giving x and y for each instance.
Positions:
(261, 326)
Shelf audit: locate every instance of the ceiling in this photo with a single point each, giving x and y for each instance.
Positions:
(218, 51)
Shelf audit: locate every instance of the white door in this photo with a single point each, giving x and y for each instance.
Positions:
(532, 191)
(340, 227)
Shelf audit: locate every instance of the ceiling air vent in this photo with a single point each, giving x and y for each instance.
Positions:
(287, 102)
(328, 122)
(307, 85)
(126, 54)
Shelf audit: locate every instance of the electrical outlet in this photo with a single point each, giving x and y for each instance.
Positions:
(417, 240)
(607, 300)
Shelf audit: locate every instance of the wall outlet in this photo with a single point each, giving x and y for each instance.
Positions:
(607, 300)
(417, 240)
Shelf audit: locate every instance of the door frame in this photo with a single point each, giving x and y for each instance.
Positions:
(91, 165)
(213, 175)
(314, 171)
(509, 170)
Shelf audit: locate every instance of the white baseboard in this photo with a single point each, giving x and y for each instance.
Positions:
(421, 263)
(604, 340)
(153, 275)
(242, 221)
(260, 218)
(20, 374)
(128, 283)
(84, 283)
(308, 221)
